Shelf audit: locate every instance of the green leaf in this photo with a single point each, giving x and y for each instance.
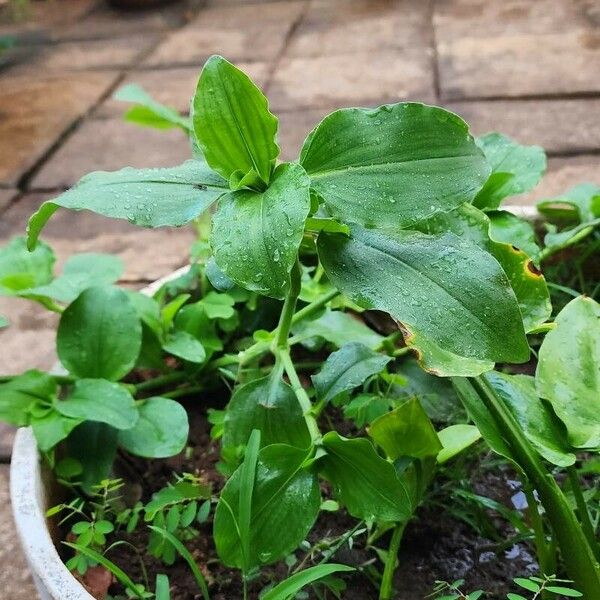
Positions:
(394, 165)
(563, 591)
(94, 445)
(178, 493)
(244, 515)
(52, 428)
(184, 345)
(193, 319)
(527, 282)
(102, 401)
(256, 235)
(365, 483)
(346, 369)
(217, 278)
(232, 122)
(21, 269)
(527, 584)
(20, 393)
(218, 306)
(516, 169)
(338, 328)
(318, 224)
(148, 112)
(510, 229)
(99, 335)
(161, 430)
(365, 408)
(567, 373)
(406, 431)
(147, 197)
(578, 205)
(285, 504)
(452, 300)
(536, 419)
(455, 439)
(80, 272)
(162, 590)
(269, 405)
(294, 583)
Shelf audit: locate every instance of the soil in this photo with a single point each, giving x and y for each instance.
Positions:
(435, 545)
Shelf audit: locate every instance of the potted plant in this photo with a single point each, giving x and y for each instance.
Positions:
(279, 328)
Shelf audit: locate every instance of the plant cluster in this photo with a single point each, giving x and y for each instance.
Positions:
(390, 210)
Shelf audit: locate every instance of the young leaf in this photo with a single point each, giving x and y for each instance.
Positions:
(146, 197)
(394, 165)
(578, 205)
(346, 369)
(406, 431)
(455, 439)
(99, 335)
(285, 504)
(232, 122)
(161, 430)
(567, 372)
(256, 235)
(148, 112)
(20, 393)
(516, 169)
(535, 417)
(294, 583)
(102, 401)
(451, 299)
(162, 590)
(184, 345)
(269, 405)
(365, 483)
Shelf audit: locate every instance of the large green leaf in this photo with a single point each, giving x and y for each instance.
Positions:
(232, 123)
(99, 335)
(394, 165)
(451, 299)
(51, 428)
(100, 400)
(79, 273)
(21, 269)
(525, 279)
(285, 504)
(516, 169)
(365, 483)
(256, 235)
(269, 405)
(567, 373)
(406, 431)
(537, 420)
(146, 197)
(346, 369)
(161, 430)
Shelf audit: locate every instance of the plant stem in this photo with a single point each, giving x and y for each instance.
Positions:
(582, 510)
(387, 581)
(579, 558)
(313, 307)
(289, 307)
(161, 381)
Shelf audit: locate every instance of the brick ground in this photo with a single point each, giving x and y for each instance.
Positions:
(529, 68)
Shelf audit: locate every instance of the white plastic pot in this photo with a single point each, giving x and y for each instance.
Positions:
(31, 495)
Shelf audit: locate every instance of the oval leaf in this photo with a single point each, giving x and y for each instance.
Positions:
(452, 299)
(394, 165)
(256, 235)
(99, 335)
(567, 373)
(161, 431)
(102, 401)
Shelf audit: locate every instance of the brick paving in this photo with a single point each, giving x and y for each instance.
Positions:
(529, 68)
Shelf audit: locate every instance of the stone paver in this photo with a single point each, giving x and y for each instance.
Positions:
(240, 33)
(7, 437)
(350, 80)
(559, 126)
(175, 87)
(36, 112)
(6, 197)
(110, 144)
(15, 581)
(519, 48)
(294, 126)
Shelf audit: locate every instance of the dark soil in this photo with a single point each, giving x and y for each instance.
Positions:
(435, 546)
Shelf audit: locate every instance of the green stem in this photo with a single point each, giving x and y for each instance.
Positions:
(289, 307)
(387, 581)
(582, 511)
(578, 556)
(161, 381)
